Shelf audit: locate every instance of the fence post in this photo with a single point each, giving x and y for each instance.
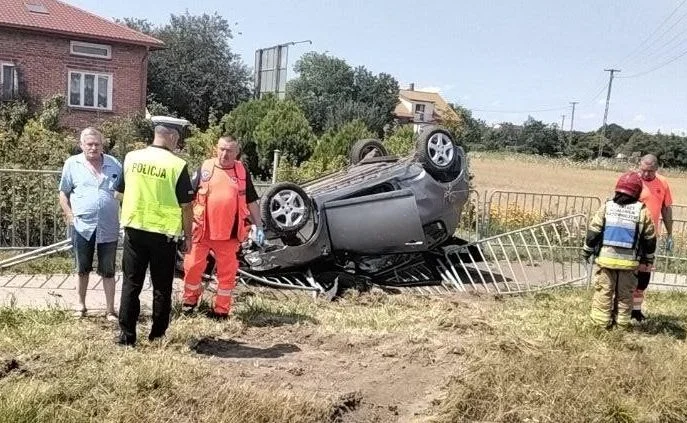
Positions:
(275, 165)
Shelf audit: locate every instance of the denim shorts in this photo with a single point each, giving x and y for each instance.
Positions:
(84, 250)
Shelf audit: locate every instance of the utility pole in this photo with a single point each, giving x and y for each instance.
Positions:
(562, 122)
(572, 118)
(608, 99)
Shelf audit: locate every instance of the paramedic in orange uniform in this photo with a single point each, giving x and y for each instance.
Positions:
(224, 202)
(658, 200)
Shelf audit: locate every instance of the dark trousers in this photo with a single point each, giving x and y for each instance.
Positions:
(142, 248)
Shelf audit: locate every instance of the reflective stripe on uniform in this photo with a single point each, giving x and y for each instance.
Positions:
(224, 292)
(617, 263)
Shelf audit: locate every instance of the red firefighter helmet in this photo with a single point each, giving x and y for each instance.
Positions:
(629, 183)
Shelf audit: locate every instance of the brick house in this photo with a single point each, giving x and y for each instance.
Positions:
(48, 47)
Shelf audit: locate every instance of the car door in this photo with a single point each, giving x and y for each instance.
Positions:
(383, 223)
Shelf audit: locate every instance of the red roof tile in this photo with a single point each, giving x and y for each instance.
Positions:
(55, 17)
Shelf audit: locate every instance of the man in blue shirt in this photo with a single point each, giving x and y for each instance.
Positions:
(87, 197)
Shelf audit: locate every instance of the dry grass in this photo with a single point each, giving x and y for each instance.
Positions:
(516, 360)
(545, 363)
(495, 171)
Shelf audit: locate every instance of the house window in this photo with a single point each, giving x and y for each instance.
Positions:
(9, 83)
(79, 48)
(420, 112)
(90, 90)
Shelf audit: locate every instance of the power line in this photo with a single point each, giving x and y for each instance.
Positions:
(520, 111)
(655, 68)
(638, 48)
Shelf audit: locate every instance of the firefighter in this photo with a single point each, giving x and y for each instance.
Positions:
(624, 236)
(225, 200)
(156, 212)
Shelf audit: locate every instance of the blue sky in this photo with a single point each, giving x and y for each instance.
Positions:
(502, 59)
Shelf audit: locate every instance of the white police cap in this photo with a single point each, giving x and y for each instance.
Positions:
(170, 122)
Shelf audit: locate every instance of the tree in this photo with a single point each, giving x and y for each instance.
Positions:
(466, 129)
(283, 128)
(538, 138)
(331, 93)
(338, 142)
(196, 75)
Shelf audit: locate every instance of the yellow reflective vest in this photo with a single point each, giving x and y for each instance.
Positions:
(150, 202)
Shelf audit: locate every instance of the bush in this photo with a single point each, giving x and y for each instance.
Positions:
(401, 141)
(338, 142)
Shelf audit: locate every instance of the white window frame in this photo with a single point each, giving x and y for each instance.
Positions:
(15, 87)
(83, 44)
(95, 92)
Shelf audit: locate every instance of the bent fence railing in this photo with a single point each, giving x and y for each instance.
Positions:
(31, 218)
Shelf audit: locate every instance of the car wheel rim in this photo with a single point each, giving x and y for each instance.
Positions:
(287, 209)
(440, 149)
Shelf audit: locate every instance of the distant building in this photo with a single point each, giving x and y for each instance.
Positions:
(422, 107)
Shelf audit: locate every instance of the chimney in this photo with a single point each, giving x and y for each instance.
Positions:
(412, 86)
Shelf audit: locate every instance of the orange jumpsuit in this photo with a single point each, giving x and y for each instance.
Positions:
(220, 216)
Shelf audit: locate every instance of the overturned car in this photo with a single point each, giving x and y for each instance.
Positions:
(369, 222)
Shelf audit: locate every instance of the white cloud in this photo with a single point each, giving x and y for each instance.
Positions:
(639, 118)
(495, 103)
(588, 116)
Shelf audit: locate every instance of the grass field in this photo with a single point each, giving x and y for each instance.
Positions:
(369, 357)
(496, 171)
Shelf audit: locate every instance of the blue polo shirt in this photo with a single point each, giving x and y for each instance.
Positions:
(93, 202)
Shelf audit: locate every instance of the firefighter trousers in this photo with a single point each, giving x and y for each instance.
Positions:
(613, 287)
(226, 263)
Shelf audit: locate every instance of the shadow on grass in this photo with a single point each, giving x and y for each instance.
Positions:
(229, 348)
(662, 324)
(268, 318)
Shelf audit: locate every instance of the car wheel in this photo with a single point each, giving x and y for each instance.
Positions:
(436, 151)
(363, 149)
(285, 208)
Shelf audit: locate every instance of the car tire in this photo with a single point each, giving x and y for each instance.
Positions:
(285, 208)
(436, 150)
(366, 148)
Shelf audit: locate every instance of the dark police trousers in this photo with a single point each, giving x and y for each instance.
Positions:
(142, 248)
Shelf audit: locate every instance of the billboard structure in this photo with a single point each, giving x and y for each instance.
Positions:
(270, 69)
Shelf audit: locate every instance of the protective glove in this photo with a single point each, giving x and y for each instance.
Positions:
(669, 243)
(586, 256)
(637, 315)
(257, 235)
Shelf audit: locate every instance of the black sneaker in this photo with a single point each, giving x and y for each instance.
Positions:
(153, 337)
(637, 315)
(124, 341)
(187, 310)
(217, 316)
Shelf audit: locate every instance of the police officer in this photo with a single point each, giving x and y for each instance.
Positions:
(156, 211)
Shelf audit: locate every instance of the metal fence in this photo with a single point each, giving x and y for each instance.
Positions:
(30, 215)
(509, 210)
(670, 267)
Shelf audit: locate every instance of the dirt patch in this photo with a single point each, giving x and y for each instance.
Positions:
(376, 378)
(8, 366)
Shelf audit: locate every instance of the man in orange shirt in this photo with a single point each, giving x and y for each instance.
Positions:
(225, 200)
(658, 200)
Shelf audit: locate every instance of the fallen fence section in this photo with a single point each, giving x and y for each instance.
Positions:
(526, 260)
